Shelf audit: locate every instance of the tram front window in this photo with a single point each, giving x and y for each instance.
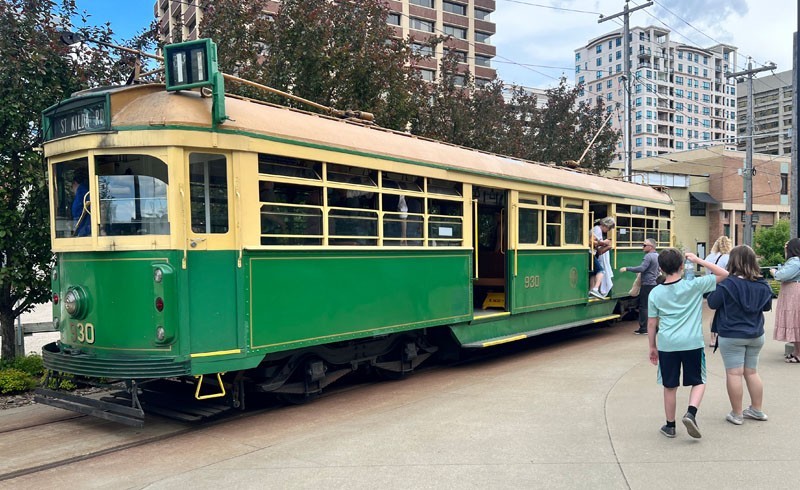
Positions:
(71, 195)
(133, 195)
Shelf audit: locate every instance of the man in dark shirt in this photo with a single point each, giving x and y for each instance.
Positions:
(649, 271)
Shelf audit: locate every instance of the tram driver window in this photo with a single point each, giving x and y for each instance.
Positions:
(71, 185)
(133, 195)
(208, 181)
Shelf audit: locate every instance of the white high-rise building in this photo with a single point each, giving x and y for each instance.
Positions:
(681, 98)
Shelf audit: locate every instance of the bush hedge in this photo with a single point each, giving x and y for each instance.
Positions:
(15, 381)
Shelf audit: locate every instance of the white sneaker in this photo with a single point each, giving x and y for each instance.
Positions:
(752, 413)
(596, 294)
(734, 419)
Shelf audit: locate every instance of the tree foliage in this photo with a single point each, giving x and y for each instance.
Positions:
(769, 242)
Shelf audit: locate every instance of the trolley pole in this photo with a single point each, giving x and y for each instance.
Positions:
(626, 47)
(748, 172)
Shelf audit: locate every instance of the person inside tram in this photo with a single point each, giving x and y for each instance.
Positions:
(80, 187)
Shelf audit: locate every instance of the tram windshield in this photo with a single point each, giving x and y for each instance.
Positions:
(132, 201)
(133, 195)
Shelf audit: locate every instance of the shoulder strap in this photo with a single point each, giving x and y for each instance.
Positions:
(718, 257)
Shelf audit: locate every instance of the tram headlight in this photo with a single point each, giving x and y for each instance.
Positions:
(161, 334)
(75, 302)
(158, 275)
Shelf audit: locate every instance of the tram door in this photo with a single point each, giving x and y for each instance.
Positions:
(491, 261)
(598, 211)
(211, 255)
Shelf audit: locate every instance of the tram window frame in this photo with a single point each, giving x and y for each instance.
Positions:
(215, 210)
(129, 172)
(361, 203)
(635, 223)
(63, 173)
(551, 214)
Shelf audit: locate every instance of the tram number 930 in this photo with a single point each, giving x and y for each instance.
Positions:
(531, 282)
(83, 333)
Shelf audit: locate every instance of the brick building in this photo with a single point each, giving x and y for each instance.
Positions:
(466, 21)
(708, 191)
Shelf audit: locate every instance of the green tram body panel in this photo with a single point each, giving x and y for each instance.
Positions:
(300, 299)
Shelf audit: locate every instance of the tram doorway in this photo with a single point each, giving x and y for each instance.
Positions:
(490, 286)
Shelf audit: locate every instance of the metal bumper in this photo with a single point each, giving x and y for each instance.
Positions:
(89, 406)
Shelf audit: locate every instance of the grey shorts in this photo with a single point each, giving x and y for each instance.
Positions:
(740, 352)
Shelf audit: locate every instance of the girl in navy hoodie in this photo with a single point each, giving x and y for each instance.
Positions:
(740, 301)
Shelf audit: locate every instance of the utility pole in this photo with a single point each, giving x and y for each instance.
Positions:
(794, 181)
(748, 171)
(626, 48)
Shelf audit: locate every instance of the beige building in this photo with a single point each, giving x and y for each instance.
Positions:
(681, 99)
(772, 114)
(707, 189)
(467, 22)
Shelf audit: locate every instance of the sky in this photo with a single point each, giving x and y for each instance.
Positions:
(536, 42)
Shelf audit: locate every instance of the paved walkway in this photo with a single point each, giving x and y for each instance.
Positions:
(583, 413)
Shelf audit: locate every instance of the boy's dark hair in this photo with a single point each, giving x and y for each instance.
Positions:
(670, 260)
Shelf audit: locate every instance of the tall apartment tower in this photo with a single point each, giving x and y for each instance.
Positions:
(466, 21)
(681, 99)
(772, 114)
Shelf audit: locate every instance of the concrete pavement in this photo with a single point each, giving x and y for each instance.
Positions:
(582, 412)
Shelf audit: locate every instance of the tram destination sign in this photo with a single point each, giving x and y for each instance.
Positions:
(83, 115)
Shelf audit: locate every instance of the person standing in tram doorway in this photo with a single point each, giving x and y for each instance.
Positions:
(80, 186)
(602, 265)
(649, 273)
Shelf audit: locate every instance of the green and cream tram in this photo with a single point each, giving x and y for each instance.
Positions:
(279, 250)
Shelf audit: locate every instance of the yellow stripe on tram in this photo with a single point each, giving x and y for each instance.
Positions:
(605, 318)
(504, 341)
(217, 353)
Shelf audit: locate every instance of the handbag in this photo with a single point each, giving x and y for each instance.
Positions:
(637, 286)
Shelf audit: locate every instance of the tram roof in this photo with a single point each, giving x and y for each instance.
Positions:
(152, 105)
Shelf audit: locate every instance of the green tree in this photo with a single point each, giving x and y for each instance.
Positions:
(769, 243)
(339, 54)
(566, 127)
(37, 71)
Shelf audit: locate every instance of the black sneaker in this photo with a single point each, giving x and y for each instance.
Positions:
(668, 431)
(640, 331)
(691, 425)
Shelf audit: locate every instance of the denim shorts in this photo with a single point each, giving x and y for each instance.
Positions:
(598, 266)
(740, 352)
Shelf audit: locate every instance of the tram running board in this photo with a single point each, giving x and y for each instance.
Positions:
(103, 409)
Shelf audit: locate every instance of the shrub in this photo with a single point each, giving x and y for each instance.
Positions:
(58, 383)
(31, 364)
(15, 381)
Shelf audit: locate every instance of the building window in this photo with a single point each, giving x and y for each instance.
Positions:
(424, 3)
(421, 25)
(784, 184)
(393, 19)
(483, 61)
(483, 15)
(481, 37)
(455, 8)
(696, 207)
(456, 32)
(427, 75)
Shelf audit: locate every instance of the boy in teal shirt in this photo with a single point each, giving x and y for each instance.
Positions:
(675, 332)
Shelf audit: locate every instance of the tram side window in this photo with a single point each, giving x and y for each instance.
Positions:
(445, 224)
(290, 214)
(553, 228)
(208, 181)
(529, 220)
(71, 185)
(133, 195)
